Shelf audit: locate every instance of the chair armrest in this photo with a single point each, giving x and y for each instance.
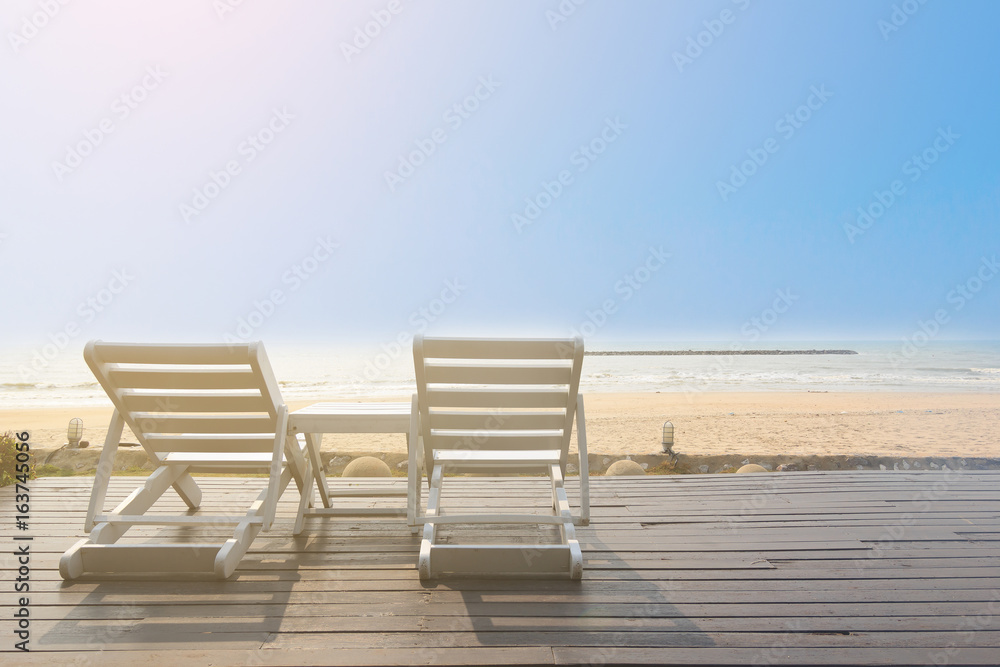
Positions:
(581, 440)
(413, 470)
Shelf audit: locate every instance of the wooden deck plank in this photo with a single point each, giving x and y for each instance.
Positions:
(778, 654)
(589, 594)
(245, 584)
(69, 631)
(542, 656)
(641, 639)
(839, 576)
(369, 657)
(541, 610)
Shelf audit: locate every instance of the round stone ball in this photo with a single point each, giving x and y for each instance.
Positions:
(752, 467)
(625, 467)
(367, 466)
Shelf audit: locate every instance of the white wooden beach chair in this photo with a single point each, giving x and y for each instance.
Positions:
(193, 408)
(502, 407)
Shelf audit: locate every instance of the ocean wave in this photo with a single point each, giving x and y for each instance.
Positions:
(938, 369)
(48, 385)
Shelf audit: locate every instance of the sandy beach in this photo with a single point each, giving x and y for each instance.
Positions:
(711, 423)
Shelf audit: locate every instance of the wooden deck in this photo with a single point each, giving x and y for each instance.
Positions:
(789, 568)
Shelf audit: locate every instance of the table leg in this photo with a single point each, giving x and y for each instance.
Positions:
(314, 440)
(305, 500)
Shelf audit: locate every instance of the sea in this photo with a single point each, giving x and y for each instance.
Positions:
(49, 377)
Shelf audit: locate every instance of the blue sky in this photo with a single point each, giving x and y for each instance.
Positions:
(180, 171)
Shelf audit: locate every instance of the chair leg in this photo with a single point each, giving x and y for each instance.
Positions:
(234, 549)
(567, 530)
(424, 559)
(433, 507)
(305, 498)
(416, 492)
(71, 562)
(188, 490)
(575, 561)
(313, 442)
(104, 467)
(138, 502)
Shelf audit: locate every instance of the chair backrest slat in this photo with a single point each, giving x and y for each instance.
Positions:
(438, 373)
(243, 443)
(471, 440)
(193, 402)
(496, 420)
(496, 348)
(495, 398)
(157, 422)
(496, 394)
(150, 377)
(142, 353)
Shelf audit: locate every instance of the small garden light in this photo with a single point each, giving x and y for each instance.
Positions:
(75, 432)
(668, 437)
